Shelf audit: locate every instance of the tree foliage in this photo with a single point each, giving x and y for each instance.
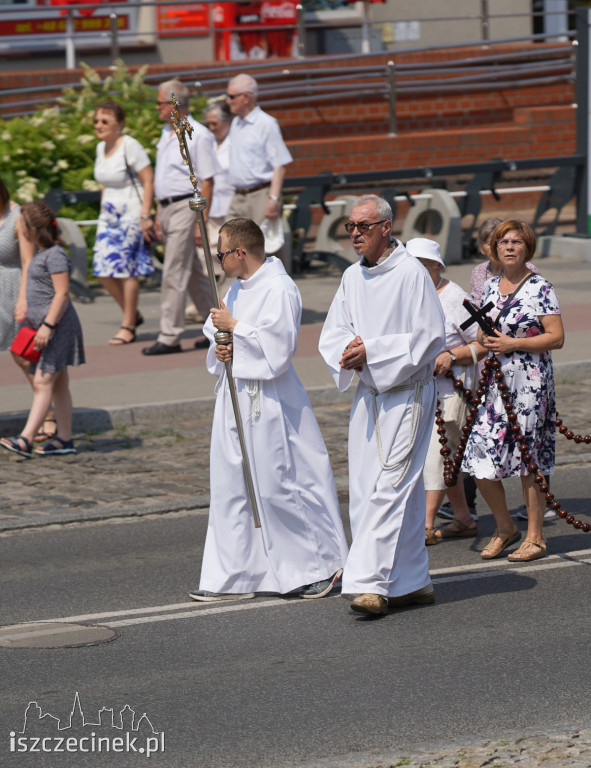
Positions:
(54, 148)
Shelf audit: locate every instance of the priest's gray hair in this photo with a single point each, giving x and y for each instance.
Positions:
(180, 90)
(382, 206)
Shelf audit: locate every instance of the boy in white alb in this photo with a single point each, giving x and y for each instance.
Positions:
(301, 542)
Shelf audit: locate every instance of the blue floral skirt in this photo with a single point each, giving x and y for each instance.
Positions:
(119, 248)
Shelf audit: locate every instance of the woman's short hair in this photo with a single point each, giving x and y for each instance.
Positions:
(514, 225)
(486, 229)
(114, 107)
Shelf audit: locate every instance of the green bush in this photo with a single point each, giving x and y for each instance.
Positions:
(55, 147)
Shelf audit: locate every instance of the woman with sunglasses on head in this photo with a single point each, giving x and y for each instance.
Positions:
(527, 326)
(121, 255)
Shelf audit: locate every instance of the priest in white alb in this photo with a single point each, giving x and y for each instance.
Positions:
(301, 543)
(384, 329)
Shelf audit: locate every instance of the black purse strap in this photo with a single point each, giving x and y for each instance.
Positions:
(507, 304)
(131, 174)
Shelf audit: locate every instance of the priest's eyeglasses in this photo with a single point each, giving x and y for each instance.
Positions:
(221, 256)
(362, 226)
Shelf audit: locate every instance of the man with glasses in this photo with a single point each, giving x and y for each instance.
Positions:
(184, 270)
(301, 544)
(217, 118)
(385, 327)
(258, 154)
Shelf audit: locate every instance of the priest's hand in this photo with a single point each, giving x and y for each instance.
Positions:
(354, 357)
(223, 352)
(222, 319)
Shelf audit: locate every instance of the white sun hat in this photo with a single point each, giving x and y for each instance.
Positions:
(423, 248)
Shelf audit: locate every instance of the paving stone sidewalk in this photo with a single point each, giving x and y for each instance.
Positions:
(164, 467)
(568, 747)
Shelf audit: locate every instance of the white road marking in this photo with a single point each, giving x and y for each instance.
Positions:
(192, 609)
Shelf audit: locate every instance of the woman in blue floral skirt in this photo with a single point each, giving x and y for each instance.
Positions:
(529, 325)
(121, 254)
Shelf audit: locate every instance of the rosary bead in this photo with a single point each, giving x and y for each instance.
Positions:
(467, 393)
(523, 447)
(516, 429)
(549, 496)
(505, 396)
(502, 387)
(544, 487)
(569, 435)
(533, 467)
(526, 458)
(480, 391)
(563, 430)
(445, 451)
(470, 420)
(578, 438)
(495, 363)
(473, 410)
(475, 400)
(577, 524)
(555, 505)
(482, 381)
(458, 456)
(558, 422)
(508, 407)
(458, 384)
(466, 429)
(449, 373)
(570, 519)
(586, 527)
(499, 376)
(512, 417)
(441, 431)
(562, 513)
(587, 439)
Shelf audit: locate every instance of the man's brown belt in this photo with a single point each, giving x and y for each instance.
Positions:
(253, 189)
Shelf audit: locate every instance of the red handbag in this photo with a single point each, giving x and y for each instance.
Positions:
(23, 345)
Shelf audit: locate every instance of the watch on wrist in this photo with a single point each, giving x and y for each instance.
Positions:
(274, 197)
(453, 357)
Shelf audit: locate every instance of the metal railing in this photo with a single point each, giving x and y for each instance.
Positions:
(350, 78)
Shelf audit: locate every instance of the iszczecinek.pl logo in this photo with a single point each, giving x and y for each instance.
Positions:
(123, 732)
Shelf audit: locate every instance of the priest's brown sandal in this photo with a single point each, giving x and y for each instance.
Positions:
(495, 549)
(529, 550)
(430, 537)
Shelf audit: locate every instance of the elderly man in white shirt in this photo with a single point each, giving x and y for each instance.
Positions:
(184, 271)
(258, 154)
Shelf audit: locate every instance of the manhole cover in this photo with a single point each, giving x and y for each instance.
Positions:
(53, 635)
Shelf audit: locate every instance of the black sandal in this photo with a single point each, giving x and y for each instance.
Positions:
(117, 341)
(12, 444)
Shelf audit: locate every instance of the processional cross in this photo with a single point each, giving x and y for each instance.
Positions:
(198, 203)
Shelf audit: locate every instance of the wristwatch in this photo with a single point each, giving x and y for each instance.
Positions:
(453, 357)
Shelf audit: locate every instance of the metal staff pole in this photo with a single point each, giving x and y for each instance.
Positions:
(197, 203)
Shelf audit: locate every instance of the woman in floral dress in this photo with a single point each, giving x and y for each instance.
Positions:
(121, 255)
(529, 326)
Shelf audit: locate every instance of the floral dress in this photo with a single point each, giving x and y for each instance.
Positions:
(119, 249)
(492, 452)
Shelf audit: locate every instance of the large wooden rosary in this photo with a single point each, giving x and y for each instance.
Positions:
(451, 466)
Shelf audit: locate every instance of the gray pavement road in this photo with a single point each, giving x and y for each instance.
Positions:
(120, 528)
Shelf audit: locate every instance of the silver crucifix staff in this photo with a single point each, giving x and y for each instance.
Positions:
(197, 203)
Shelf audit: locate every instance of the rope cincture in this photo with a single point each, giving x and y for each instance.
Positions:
(417, 408)
(451, 466)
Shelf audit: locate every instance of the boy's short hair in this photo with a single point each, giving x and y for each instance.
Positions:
(246, 234)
